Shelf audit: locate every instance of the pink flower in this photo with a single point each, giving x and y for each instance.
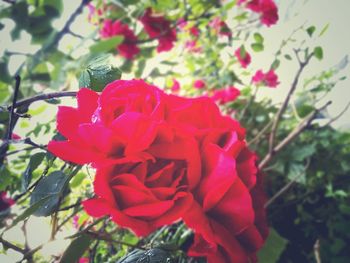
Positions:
(199, 84)
(269, 79)
(266, 8)
(182, 23)
(176, 86)
(128, 48)
(220, 27)
(158, 27)
(223, 96)
(83, 260)
(192, 46)
(269, 12)
(243, 57)
(15, 136)
(194, 31)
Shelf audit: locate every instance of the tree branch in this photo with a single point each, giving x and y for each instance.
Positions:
(302, 125)
(287, 99)
(7, 244)
(28, 101)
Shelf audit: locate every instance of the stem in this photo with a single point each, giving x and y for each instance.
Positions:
(286, 101)
(291, 136)
(28, 101)
(12, 111)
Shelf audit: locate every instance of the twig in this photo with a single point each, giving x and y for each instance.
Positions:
(70, 206)
(292, 135)
(112, 240)
(286, 101)
(338, 116)
(28, 101)
(7, 244)
(287, 186)
(317, 251)
(263, 130)
(12, 111)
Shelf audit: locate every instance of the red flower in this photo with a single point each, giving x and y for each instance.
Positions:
(113, 127)
(176, 86)
(128, 48)
(269, 79)
(223, 214)
(199, 84)
(158, 27)
(243, 57)
(266, 8)
(5, 202)
(161, 158)
(226, 95)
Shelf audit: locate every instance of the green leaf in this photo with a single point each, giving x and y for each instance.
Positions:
(273, 248)
(29, 211)
(106, 45)
(288, 57)
(76, 249)
(324, 30)
(77, 179)
(84, 79)
(257, 47)
(34, 162)
(259, 39)
(318, 52)
(101, 76)
(275, 64)
(51, 186)
(310, 30)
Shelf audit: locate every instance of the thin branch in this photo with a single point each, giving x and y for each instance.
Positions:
(338, 116)
(317, 251)
(263, 130)
(291, 136)
(28, 101)
(108, 238)
(7, 244)
(286, 101)
(287, 186)
(12, 111)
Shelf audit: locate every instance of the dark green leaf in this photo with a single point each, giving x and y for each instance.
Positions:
(106, 45)
(52, 186)
(288, 57)
(100, 77)
(310, 30)
(76, 249)
(273, 248)
(257, 47)
(35, 160)
(318, 52)
(85, 80)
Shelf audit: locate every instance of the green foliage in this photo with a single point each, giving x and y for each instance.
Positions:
(76, 249)
(273, 248)
(52, 186)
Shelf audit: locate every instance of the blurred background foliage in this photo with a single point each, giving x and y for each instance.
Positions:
(307, 176)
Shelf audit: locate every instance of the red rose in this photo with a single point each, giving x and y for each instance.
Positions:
(113, 127)
(226, 215)
(128, 48)
(161, 158)
(158, 27)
